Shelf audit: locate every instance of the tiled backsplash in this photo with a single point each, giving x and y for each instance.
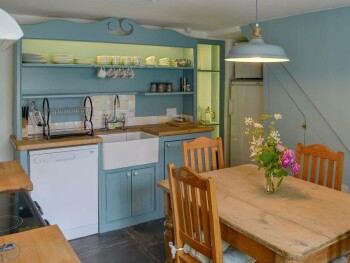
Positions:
(105, 105)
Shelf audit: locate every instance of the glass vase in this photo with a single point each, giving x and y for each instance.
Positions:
(271, 183)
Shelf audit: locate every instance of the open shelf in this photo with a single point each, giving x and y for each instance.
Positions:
(73, 95)
(49, 65)
(166, 93)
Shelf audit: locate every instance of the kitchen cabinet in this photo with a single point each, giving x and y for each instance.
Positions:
(210, 83)
(170, 151)
(68, 84)
(130, 197)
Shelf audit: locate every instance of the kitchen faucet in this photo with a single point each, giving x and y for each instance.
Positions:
(115, 119)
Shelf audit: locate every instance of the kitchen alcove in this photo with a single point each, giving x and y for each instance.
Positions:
(113, 37)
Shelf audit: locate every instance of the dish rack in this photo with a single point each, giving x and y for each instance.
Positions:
(86, 111)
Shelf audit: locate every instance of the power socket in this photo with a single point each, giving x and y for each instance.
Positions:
(171, 112)
(345, 188)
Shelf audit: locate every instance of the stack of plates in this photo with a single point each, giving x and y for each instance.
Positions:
(164, 62)
(86, 61)
(150, 61)
(62, 58)
(35, 58)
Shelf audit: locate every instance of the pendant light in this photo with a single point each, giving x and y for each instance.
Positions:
(256, 50)
(10, 31)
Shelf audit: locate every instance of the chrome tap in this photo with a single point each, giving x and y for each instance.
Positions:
(115, 119)
(116, 106)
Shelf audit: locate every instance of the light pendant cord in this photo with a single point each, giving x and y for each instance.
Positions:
(256, 13)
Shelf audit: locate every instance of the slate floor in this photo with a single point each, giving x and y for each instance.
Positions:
(142, 243)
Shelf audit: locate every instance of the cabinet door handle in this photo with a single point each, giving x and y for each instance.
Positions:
(128, 174)
(168, 145)
(135, 173)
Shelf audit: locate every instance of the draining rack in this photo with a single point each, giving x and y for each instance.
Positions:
(86, 111)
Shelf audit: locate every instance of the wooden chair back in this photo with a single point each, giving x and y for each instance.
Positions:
(320, 165)
(203, 154)
(195, 214)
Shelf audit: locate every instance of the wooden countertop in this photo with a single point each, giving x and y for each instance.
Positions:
(13, 177)
(42, 245)
(157, 129)
(42, 143)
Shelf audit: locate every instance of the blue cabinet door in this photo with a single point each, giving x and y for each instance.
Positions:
(173, 154)
(118, 199)
(143, 191)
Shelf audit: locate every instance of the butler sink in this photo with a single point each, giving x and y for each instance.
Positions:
(129, 149)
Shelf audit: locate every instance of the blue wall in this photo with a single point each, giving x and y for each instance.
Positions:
(314, 87)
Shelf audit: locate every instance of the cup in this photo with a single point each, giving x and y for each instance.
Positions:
(115, 60)
(125, 60)
(103, 60)
(110, 72)
(102, 73)
(136, 60)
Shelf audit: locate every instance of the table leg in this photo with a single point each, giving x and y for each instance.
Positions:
(168, 225)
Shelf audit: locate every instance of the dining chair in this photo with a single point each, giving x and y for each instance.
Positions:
(196, 221)
(320, 165)
(203, 154)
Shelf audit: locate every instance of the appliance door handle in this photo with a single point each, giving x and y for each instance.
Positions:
(38, 207)
(67, 158)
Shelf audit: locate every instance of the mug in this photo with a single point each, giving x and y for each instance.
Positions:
(110, 72)
(136, 60)
(125, 60)
(102, 73)
(115, 60)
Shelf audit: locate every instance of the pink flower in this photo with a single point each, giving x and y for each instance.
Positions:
(280, 148)
(295, 168)
(287, 158)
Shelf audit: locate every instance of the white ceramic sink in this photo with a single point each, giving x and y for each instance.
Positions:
(129, 149)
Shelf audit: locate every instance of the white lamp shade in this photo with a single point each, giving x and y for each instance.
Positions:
(257, 51)
(10, 31)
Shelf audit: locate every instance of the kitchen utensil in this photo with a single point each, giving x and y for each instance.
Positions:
(183, 83)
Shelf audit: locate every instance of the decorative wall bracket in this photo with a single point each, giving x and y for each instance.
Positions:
(120, 31)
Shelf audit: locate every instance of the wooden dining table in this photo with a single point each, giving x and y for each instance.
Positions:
(301, 222)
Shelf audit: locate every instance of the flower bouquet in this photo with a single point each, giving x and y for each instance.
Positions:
(267, 150)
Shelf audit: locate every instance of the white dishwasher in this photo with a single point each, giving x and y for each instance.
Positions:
(65, 182)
